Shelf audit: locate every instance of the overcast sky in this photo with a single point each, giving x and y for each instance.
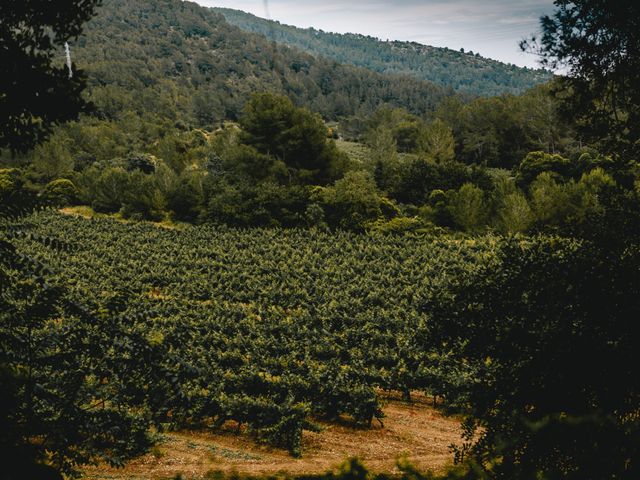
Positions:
(491, 27)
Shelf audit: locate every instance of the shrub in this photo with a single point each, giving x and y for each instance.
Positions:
(395, 225)
(351, 202)
(537, 162)
(62, 192)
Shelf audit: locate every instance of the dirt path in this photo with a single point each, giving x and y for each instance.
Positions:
(418, 431)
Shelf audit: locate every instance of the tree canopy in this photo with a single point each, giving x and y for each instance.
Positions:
(597, 44)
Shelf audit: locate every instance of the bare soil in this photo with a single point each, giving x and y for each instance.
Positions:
(416, 431)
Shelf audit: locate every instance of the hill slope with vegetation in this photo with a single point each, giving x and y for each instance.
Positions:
(180, 61)
(464, 71)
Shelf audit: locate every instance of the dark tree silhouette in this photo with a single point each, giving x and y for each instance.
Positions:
(596, 43)
(36, 91)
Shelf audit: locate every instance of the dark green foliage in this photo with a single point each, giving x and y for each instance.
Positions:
(295, 136)
(179, 63)
(35, 92)
(550, 335)
(464, 72)
(500, 131)
(262, 204)
(67, 384)
(186, 198)
(142, 199)
(537, 162)
(597, 43)
(78, 383)
(266, 327)
(107, 189)
(140, 161)
(418, 177)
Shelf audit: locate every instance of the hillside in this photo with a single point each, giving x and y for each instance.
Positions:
(465, 72)
(182, 62)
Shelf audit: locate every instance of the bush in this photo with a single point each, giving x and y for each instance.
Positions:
(186, 198)
(418, 177)
(143, 200)
(351, 202)
(536, 163)
(10, 180)
(106, 192)
(62, 192)
(550, 332)
(142, 162)
(395, 225)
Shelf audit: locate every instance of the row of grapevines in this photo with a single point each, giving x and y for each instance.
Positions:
(269, 328)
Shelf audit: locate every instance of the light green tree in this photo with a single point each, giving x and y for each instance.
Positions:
(468, 208)
(549, 200)
(438, 142)
(352, 201)
(514, 214)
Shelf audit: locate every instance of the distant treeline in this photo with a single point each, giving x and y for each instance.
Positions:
(463, 71)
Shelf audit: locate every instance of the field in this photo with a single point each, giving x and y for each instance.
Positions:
(276, 333)
(357, 152)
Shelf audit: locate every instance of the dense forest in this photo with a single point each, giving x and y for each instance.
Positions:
(182, 62)
(464, 71)
(324, 233)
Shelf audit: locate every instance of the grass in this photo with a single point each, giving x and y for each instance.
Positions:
(233, 454)
(86, 211)
(357, 152)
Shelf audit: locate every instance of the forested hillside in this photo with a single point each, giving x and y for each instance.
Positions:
(179, 61)
(464, 71)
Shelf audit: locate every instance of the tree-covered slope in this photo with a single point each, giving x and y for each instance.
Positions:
(183, 62)
(465, 72)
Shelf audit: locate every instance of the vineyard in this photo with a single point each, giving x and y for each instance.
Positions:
(269, 329)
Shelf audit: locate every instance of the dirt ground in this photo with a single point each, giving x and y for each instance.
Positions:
(417, 431)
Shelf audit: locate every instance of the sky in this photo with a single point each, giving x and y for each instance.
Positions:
(492, 28)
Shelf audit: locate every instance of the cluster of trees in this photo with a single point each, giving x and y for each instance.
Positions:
(500, 131)
(280, 166)
(467, 73)
(158, 97)
(257, 173)
(551, 330)
(544, 192)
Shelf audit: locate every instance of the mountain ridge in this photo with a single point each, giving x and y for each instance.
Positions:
(465, 72)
